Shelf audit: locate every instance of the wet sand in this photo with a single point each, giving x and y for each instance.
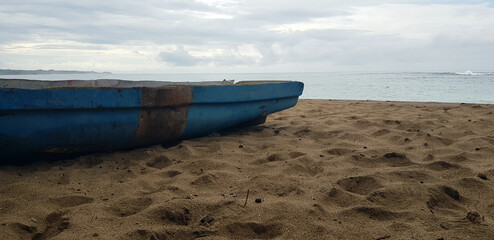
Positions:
(321, 170)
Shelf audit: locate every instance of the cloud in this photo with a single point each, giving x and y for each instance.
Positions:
(228, 35)
(241, 56)
(179, 57)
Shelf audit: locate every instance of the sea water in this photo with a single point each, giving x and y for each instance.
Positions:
(461, 87)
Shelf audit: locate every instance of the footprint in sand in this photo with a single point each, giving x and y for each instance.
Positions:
(338, 197)
(380, 132)
(460, 158)
(278, 187)
(339, 151)
(364, 124)
(303, 132)
(399, 197)
(355, 138)
(159, 162)
(205, 180)
(171, 215)
(474, 185)
(171, 173)
(444, 197)
(305, 166)
(374, 213)
(453, 193)
(271, 158)
(253, 230)
(275, 157)
(441, 166)
(391, 122)
(129, 206)
(394, 159)
(429, 157)
(56, 223)
(409, 176)
(362, 185)
(24, 231)
(438, 141)
(296, 154)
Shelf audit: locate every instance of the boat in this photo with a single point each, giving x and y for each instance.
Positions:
(41, 119)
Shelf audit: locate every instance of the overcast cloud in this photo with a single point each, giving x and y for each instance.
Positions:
(160, 36)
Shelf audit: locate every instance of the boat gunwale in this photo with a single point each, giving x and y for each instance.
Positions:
(143, 97)
(30, 84)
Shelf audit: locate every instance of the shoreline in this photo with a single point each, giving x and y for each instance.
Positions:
(325, 169)
(393, 101)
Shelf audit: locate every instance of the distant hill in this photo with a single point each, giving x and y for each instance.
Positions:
(39, 71)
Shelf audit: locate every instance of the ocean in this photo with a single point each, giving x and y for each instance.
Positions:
(461, 87)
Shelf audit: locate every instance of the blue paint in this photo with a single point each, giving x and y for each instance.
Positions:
(245, 93)
(27, 132)
(220, 107)
(26, 99)
(203, 119)
(36, 121)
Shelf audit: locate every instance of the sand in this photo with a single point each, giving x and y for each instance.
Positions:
(321, 170)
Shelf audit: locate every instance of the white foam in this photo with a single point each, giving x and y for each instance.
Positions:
(468, 72)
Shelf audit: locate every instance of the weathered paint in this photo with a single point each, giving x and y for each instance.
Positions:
(168, 96)
(67, 119)
(163, 115)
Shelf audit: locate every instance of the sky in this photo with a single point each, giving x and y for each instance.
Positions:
(205, 36)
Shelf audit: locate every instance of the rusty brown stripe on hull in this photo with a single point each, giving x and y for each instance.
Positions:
(163, 116)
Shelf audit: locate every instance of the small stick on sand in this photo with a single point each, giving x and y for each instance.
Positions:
(247, 197)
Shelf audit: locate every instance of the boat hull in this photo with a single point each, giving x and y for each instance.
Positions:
(67, 120)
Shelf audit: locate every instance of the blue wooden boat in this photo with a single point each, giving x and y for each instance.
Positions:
(39, 118)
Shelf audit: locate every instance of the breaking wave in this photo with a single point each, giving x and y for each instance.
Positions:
(467, 73)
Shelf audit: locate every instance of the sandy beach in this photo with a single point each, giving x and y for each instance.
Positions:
(324, 169)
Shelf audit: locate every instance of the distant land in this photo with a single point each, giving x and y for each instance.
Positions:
(39, 71)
